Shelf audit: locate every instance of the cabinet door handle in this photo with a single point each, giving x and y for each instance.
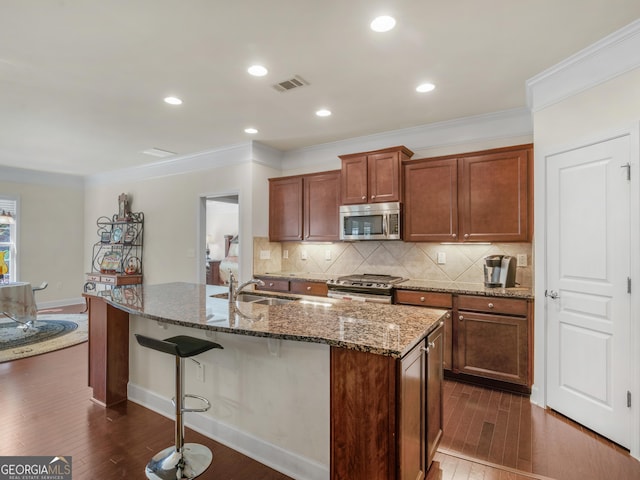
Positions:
(448, 315)
(454, 235)
(271, 284)
(431, 345)
(422, 299)
(364, 197)
(466, 235)
(490, 305)
(461, 318)
(372, 197)
(308, 288)
(425, 350)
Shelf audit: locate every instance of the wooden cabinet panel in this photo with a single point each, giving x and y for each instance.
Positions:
(508, 306)
(492, 346)
(384, 177)
(285, 209)
(373, 177)
(493, 196)
(322, 207)
(433, 300)
(274, 285)
(431, 201)
(435, 419)
(363, 415)
(412, 422)
(308, 288)
(481, 196)
(354, 180)
(108, 352)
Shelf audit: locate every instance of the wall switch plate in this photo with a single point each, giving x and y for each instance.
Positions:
(285, 254)
(327, 254)
(303, 255)
(522, 260)
(265, 254)
(442, 258)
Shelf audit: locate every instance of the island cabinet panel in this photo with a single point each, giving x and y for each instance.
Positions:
(285, 209)
(363, 414)
(493, 339)
(108, 352)
(386, 413)
(431, 201)
(373, 177)
(433, 300)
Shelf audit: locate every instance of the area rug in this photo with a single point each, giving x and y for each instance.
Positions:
(53, 332)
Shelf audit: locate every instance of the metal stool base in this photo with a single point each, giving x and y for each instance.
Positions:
(165, 465)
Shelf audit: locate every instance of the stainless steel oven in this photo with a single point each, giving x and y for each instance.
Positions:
(370, 221)
(363, 287)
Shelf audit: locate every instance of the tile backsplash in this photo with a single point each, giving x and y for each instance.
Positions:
(463, 263)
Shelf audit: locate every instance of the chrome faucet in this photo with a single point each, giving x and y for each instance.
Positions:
(235, 290)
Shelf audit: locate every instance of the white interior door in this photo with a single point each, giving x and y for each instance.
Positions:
(588, 267)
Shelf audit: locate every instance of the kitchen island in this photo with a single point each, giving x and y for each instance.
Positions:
(316, 388)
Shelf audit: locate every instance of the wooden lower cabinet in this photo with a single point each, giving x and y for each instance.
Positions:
(108, 352)
(493, 339)
(386, 413)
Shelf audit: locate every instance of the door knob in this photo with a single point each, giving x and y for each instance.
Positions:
(552, 294)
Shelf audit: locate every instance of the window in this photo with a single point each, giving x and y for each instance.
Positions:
(8, 240)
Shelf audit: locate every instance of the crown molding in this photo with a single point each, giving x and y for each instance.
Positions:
(614, 55)
(36, 177)
(496, 125)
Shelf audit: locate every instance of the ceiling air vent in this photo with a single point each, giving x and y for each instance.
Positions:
(295, 82)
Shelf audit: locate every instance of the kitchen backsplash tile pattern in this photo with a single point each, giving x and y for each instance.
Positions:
(463, 263)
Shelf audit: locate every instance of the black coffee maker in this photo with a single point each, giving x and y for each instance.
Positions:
(499, 271)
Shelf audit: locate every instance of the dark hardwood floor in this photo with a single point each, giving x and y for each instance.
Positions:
(488, 435)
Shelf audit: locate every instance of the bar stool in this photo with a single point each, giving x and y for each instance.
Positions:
(180, 460)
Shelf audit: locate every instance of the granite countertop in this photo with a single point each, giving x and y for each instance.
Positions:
(390, 330)
(419, 285)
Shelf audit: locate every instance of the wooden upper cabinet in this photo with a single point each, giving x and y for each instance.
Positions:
(305, 207)
(285, 209)
(322, 207)
(373, 177)
(494, 196)
(477, 197)
(431, 201)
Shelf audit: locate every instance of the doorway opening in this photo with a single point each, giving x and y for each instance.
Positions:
(222, 256)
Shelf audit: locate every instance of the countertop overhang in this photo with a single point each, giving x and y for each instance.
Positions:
(389, 330)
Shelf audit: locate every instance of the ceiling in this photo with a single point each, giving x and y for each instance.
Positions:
(82, 82)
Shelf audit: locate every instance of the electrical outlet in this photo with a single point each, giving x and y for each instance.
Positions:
(327, 254)
(285, 254)
(442, 258)
(521, 260)
(303, 255)
(200, 372)
(265, 254)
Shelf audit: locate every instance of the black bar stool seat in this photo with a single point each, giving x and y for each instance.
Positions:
(180, 461)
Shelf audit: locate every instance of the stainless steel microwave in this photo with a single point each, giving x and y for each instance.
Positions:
(370, 221)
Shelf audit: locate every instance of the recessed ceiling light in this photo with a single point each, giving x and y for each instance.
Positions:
(173, 100)
(383, 23)
(250, 130)
(323, 112)
(257, 70)
(425, 87)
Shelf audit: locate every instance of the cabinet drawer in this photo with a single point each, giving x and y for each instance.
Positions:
(427, 299)
(93, 278)
(275, 285)
(109, 280)
(309, 288)
(511, 306)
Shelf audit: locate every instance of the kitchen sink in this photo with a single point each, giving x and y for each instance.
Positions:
(262, 299)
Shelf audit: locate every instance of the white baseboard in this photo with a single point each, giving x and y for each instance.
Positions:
(286, 462)
(58, 303)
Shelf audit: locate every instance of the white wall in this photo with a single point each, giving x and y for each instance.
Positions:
(610, 108)
(50, 232)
